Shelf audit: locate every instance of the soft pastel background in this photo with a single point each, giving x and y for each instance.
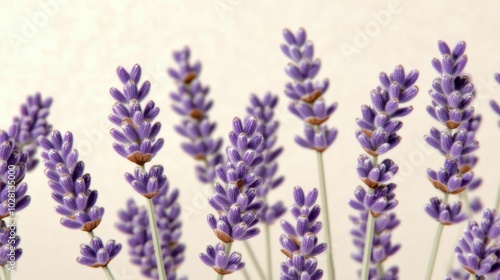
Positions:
(70, 49)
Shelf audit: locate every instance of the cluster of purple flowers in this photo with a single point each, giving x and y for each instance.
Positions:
(478, 250)
(190, 102)
(263, 110)
(236, 202)
(300, 242)
(136, 138)
(76, 201)
(154, 231)
(32, 123)
(452, 94)
(377, 135)
(135, 224)
(18, 146)
(307, 103)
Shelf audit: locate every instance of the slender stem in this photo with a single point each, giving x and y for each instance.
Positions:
(108, 273)
(156, 240)
(370, 229)
(254, 260)
(326, 218)
(435, 246)
(267, 233)
(228, 251)
(380, 270)
(91, 234)
(4, 273)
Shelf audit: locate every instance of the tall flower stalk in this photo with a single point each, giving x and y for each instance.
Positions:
(377, 135)
(191, 103)
(263, 109)
(300, 242)
(76, 201)
(309, 105)
(235, 203)
(134, 222)
(451, 94)
(136, 141)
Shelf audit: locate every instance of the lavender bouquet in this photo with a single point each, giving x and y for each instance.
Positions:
(244, 175)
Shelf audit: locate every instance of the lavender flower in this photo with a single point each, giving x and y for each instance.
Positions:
(371, 175)
(452, 95)
(445, 213)
(71, 190)
(135, 224)
(378, 125)
(32, 123)
(220, 261)
(382, 245)
(12, 171)
(390, 274)
(300, 243)
(234, 203)
(190, 102)
(70, 186)
(263, 109)
(377, 202)
(148, 184)
(136, 140)
(458, 274)
(377, 135)
(478, 250)
(308, 103)
(449, 179)
(96, 254)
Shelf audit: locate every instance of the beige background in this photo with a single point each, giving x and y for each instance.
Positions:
(71, 53)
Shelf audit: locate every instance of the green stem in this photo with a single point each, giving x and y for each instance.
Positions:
(4, 273)
(108, 273)
(156, 240)
(380, 270)
(435, 246)
(370, 229)
(228, 251)
(326, 219)
(91, 234)
(254, 260)
(267, 233)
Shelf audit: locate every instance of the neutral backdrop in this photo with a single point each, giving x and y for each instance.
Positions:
(69, 50)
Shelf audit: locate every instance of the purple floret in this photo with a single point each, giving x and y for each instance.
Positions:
(191, 103)
(308, 103)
